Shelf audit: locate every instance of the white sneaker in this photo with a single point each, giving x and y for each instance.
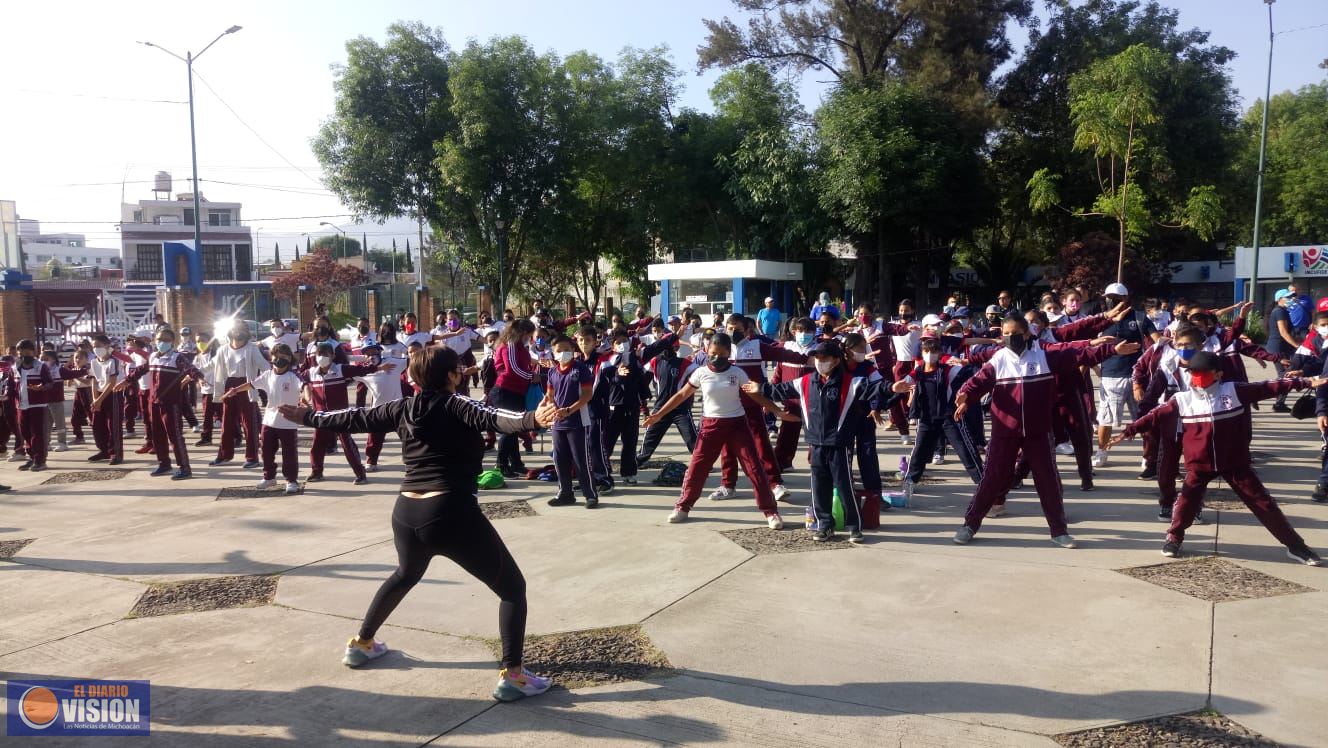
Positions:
(371, 468)
(16, 457)
(292, 488)
(1065, 541)
(996, 510)
(1065, 448)
(722, 493)
(263, 485)
(60, 448)
(906, 440)
(963, 535)
(938, 459)
(781, 493)
(677, 516)
(513, 686)
(357, 654)
(1100, 458)
(1143, 463)
(629, 480)
(196, 428)
(775, 522)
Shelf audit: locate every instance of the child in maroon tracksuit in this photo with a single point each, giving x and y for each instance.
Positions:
(327, 384)
(30, 378)
(1215, 437)
(168, 372)
(1020, 378)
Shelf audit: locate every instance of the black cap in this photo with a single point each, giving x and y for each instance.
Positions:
(826, 348)
(1205, 361)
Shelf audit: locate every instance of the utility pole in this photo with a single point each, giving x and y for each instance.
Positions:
(1263, 146)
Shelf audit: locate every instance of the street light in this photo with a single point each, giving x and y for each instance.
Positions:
(502, 263)
(188, 61)
(343, 235)
(1263, 145)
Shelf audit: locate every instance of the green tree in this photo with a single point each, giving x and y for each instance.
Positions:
(1295, 189)
(340, 246)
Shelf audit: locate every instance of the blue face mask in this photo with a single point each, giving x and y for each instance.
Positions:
(164, 346)
(1186, 353)
(805, 338)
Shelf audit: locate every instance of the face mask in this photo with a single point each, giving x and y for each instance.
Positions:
(387, 337)
(453, 324)
(1034, 328)
(865, 319)
(619, 347)
(1323, 331)
(719, 363)
(1016, 343)
(737, 336)
(164, 346)
(1203, 379)
(410, 328)
(27, 360)
(906, 317)
(825, 365)
(277, 331)
(1071, 307)
(539, 342)
(100, 352)
(1186, 353)
(364, 329)
(931, 358)
(565, 357)
(507, 319)
(324, 361)
(805, 338)
(281, 363)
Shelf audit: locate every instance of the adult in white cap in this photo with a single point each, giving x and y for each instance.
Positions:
(768, 319)
(1115, 394)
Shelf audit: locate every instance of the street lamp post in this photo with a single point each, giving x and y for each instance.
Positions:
(343, 235)
(1263, 145)
(502, 264)
(188, 61)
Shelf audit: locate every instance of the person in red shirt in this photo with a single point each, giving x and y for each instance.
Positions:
(169, 372)
(327, 386)
(1215, 439)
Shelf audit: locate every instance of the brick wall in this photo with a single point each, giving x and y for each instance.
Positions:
(18, 318)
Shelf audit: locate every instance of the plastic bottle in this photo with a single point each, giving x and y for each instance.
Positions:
(838, 511)
(903, 466)
(809, 517)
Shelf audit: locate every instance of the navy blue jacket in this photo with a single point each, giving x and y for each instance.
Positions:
(831, 409)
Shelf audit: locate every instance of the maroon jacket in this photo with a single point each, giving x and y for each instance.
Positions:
(1215, 427)
(1023, 387)
(164, 373)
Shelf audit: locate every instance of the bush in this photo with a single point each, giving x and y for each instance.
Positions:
(1255, 328)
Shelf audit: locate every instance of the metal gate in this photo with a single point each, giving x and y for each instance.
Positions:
(67, 314)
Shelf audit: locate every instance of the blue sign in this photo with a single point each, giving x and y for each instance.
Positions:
(78, 707)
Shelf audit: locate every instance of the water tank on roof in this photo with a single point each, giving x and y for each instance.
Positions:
(162, 182)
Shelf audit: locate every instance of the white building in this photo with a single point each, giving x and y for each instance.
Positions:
(70, 250)
(227, 245)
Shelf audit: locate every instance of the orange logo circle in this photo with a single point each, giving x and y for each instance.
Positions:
(38, 707)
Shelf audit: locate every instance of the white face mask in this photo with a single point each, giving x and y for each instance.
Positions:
(324, 361)
(1323, 331)
(859, 356)
(825, 365)
(620, 347)
(1034, 328)
(278, 331)
(931, 358)
(565, 357)
(101, 352)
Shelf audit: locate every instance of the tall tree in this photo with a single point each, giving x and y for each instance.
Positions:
(319, 271)
(339, 245)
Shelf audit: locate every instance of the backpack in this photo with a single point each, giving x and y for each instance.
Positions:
(491, 479)
(671, 474)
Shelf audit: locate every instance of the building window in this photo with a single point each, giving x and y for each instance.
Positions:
(244, 264)
(217, 262)
(148, 265)
(189, 216)
(219, 218)
(138, 216)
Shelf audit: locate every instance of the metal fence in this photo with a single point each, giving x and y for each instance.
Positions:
(392, 297)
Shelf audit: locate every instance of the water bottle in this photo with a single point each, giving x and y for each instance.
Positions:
(837, 511)
(809, 516)
(903, 467)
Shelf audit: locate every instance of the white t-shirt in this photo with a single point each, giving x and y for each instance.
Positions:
(720, 396)
(423, 338)
(281, 389)
(384, 386)
(291, 339)
(203, 362)
(234, 360)
(102, 371)
(459, 342)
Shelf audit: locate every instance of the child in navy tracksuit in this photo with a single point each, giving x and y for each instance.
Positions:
(864, 448)
(670, 372)
(570, 388)
(833, 399)
(933, 385)
(625, 382)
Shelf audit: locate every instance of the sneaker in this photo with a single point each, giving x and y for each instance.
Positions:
(604, 488)
(855, 536)
(1017, 486)
(938, 459)
(779, 490)
(515, 686)
(629, 480)
(1100, 458)
(251, 464)
(17, 456)
(823, 534)
(774, 521)
(592, 502)
(1143, 463)
(218, 461)
(39, 467)
(370, 467)
(1304, 555)
(996, 510)
(146, 449)
(722, 493)
(78, 441)
(1065, 541)
(264, 485)
(1199, 519)
(1164, 513)
(358, 654)
(1320, 493)
(182, 474)
(161, 470)
(116, 461)
(562, 501)
(1171, 549)
(1065, 448)
(26, 466)
(203, 443)
(60, 448)
(906, 440)
(963, 535)
(677, 515)
(196, 428)
(1149, 473)
(314, 478)
(99, 457)
(360, 480)
(1281, 408)
(1086, 484)
(292, 488)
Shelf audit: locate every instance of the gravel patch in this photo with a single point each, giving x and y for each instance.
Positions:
(9, 548)
(196, 595)
(1203, 729)
(86, 476)
(507, 509)
(1224, 500)
(763, 540)
(654, 464)
(895, 480)
(249, 492)
(594, 657)
(1214, 579)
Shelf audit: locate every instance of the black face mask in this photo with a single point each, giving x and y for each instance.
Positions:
(737, 336)
(1113, 301)
(906, 317)
(1016, 343)
(364, 329)
(27, 360)
(281, 363)
(719, 363)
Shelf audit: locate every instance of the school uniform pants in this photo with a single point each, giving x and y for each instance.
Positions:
(764, 451)
(786, 441)
(209, 411)
(167, 436)
(1169, 453)
(238, 414)
(735, 435)
(1072, 412)
(130, 408)
(55, 422)
(596, 456)
(569, 456)
(323, 440)
(270, 439)
(187, 405)
(32, 425)
(373, 446)
(149, 441)
(830, 472)
(108, 426)
(869, 463)
(681, 417)
(898, 413)
(998, 476)
(9, 427)
(82, 411)
(1247, 486)
(930, 432)
(623, 423)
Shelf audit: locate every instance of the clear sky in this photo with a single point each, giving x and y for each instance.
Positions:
(89, 115)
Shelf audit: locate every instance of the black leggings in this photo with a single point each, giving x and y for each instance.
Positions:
(452, 525)
(508, 456)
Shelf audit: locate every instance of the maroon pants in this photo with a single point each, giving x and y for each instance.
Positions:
(323, 441)
(373, 446)
(1070, 424)
(756, 427)
(899, 413)
(32, 425)
(723, 434)
(1167, 457)
(786, 442)
(1250, 490)
(130, 408)
(9, 427)
(1002, 453)
(82, 413)
(208, 412)
(108, 426)
(290, 459)
(238, 413)
(167, 437)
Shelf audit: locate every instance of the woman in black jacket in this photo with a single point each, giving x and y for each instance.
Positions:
(437, 512)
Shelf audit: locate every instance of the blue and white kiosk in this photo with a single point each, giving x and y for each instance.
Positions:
(728, 286)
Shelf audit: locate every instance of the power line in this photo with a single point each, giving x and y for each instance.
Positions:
(240, 119)
(98, 96)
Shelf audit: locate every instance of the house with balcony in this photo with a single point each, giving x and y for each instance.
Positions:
(146, 227)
